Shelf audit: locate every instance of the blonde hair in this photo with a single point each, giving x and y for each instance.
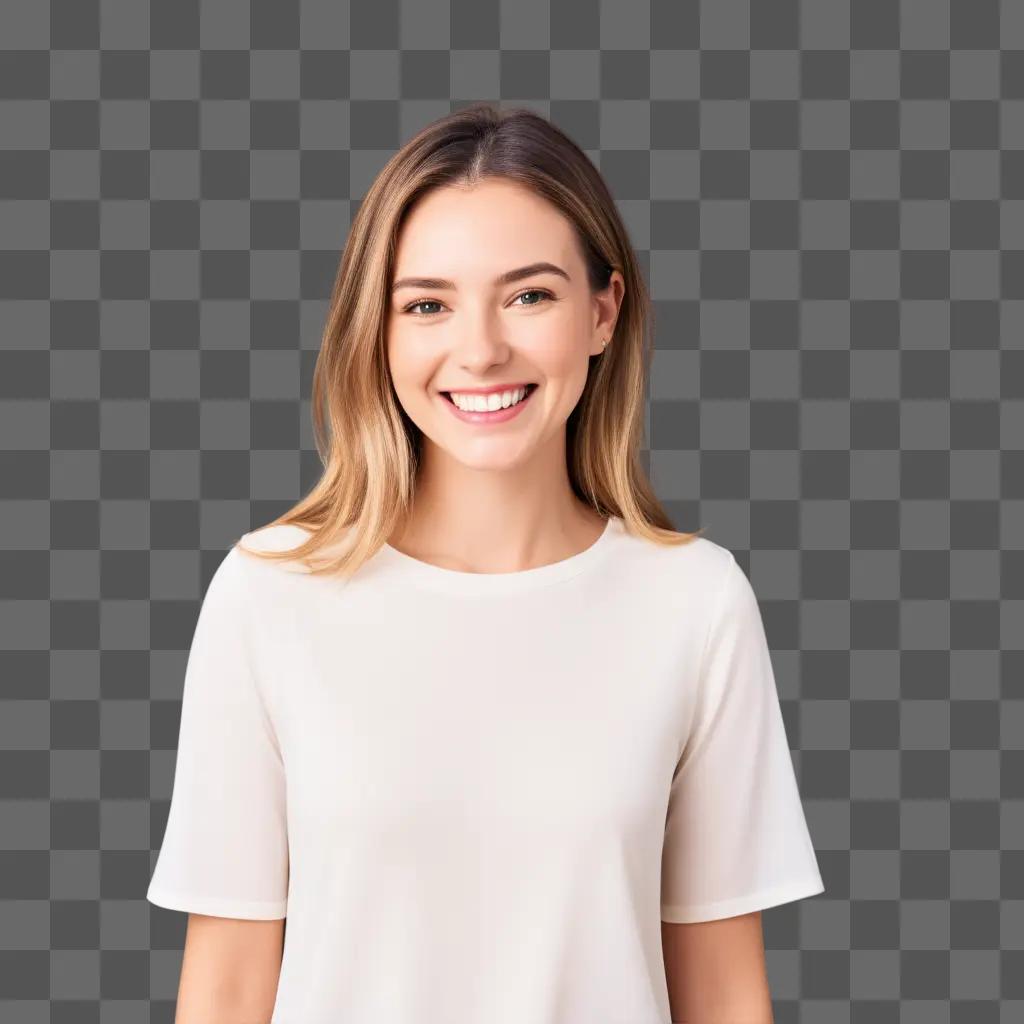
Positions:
(369, 447)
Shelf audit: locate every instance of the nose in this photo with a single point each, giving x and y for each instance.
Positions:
(478, 338)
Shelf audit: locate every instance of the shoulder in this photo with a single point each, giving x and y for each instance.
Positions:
(241, 578)
(697, 566)
(275, 537)
(678, 583)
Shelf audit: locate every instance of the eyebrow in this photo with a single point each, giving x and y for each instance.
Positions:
(440, 283)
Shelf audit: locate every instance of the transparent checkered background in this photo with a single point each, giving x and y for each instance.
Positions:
(828, 201)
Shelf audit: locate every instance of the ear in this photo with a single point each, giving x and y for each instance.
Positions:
(607, 303)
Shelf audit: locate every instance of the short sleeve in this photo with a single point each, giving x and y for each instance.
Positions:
(736, 839)
(225, 847)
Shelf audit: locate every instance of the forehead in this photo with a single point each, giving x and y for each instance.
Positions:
(477, 232)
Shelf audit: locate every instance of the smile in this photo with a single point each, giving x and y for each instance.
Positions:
(499, 415)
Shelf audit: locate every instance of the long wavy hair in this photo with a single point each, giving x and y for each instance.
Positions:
(368, 446)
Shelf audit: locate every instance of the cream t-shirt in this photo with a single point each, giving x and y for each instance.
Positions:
(475, 797)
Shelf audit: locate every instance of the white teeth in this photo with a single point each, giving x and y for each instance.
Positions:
(488, 403)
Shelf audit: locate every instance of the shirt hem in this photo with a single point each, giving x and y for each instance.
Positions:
(250, 910)
(675, 914)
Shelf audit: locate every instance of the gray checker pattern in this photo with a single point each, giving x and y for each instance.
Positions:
(828, 201)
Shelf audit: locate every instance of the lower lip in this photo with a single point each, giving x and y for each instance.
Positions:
(498, 416)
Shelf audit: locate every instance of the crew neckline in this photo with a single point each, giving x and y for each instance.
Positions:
(456, 581)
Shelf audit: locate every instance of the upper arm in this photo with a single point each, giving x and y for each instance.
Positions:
(229, 970)
(224, 850)
(736, 838)
(716, 971)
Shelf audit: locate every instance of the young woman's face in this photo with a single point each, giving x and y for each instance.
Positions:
(467, 329)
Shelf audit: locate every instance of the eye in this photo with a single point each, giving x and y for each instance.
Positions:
(433, 302)
(421, 302)
(535, 291)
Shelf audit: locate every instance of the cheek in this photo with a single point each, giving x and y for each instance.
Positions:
(559, 351)
(411, 368)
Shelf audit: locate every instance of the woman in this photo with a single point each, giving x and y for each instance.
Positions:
(497, 742)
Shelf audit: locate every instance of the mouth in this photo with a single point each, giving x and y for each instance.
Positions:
(530, 388)
(500, 414)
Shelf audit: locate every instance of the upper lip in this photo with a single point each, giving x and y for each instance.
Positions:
(489, 390)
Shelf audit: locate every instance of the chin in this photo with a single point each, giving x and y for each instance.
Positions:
(488, 462)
